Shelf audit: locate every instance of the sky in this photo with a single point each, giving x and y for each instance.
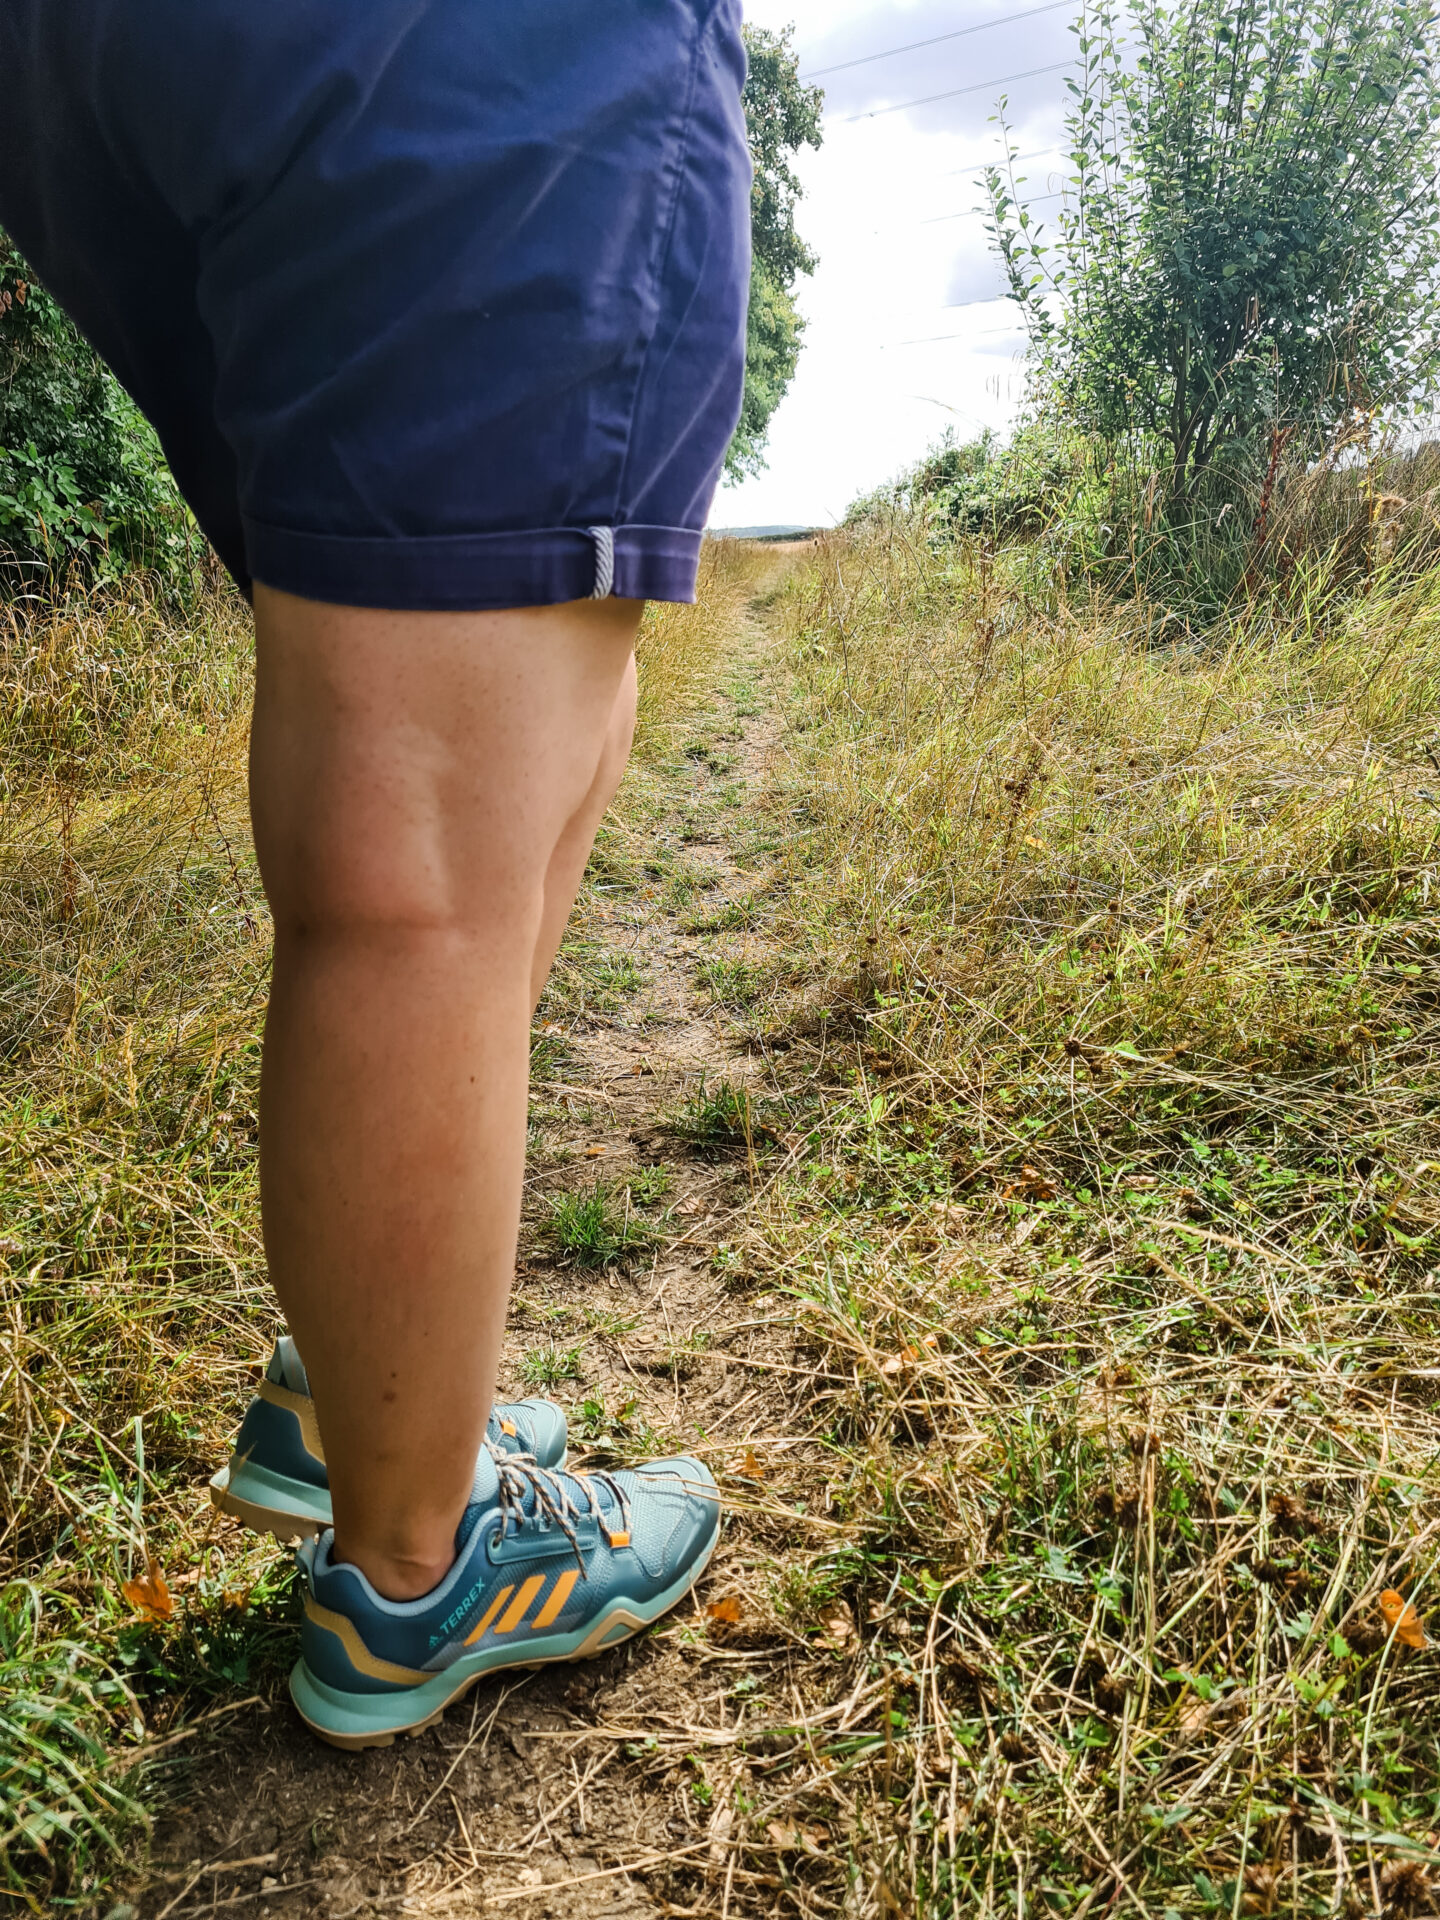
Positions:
(906, 330)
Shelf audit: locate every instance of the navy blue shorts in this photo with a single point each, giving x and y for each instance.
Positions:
(433, 303)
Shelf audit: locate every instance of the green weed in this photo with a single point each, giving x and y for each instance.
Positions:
(550, 1365)
(715, 1118)
(597, 1228)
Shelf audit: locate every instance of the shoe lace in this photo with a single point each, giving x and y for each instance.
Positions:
(521, 1474)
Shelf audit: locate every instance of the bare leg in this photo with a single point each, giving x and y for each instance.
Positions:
(420, 786)
(567, 863)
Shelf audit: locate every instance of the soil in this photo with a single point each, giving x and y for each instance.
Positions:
(607, 1788)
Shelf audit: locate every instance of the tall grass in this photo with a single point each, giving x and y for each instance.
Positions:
(681, 649)
(1108, 977)
(133, 1303)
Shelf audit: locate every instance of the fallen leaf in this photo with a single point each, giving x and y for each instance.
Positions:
(907, 1356)
(785, 1834)
(1031, 1185)
(1196, 1713)
(149, 1595)
(1402, 1619)
(837, 1625)
(726, 1611)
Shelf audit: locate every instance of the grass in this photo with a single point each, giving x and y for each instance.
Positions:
(682, 650)
(598, 1228)
(550, 1366)
(132, 993)
(715, 1119)
(1099, 970)
(1107, 970)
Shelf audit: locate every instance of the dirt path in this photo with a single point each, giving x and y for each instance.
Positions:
(604, 1789)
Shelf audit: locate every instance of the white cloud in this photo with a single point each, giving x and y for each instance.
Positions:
(889, 359)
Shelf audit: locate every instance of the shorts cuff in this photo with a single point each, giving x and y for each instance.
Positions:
(473, 572)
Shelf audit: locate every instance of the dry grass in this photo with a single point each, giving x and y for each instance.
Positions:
(133, 1303)
(1107, 989)
(682, 650)
(1103, 1002)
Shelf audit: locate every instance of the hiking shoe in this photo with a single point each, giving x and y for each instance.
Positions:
(550, 1566)
(276, 1480)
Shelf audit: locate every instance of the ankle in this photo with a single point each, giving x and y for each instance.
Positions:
(397, 1576)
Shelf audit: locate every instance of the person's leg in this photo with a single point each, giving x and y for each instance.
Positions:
(422, 788)
(567, 863)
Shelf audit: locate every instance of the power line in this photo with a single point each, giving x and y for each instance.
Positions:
(914, 46)
(929, 339)
(970, 213)
(1035, 153)
(979, 86)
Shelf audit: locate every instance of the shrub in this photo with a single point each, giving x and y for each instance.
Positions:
(83, 483)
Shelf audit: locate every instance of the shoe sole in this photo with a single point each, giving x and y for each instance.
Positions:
(340, 1718)
(262, 1502)
(247, 1493)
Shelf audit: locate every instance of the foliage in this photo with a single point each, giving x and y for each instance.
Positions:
(1103, 978)
(1248, 249)
(980, 486)
(782, 116)
(83, 483)
(61, 1804)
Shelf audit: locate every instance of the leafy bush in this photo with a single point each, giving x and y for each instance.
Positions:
(782, 117)
(83, 483)
(1248, 252)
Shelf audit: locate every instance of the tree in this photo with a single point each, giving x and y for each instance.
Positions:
(783, 116)
(82, 479)
(1248, 245)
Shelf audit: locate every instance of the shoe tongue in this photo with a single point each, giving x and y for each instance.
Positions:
(485, 1487)
(484, 1492)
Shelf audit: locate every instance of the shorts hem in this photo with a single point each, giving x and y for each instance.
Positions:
(474, 572)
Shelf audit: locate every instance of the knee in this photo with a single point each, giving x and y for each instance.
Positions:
(397, 881)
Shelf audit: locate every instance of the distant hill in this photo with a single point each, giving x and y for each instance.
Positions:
(762, 533)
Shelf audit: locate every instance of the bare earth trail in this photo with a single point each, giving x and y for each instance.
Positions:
(606, 1788)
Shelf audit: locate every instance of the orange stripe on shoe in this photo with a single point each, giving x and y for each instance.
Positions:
(303, 1408)
(490, 1613)
(618, 1539)
(508, 1426)
(358, 1654)
(559, 1594)
(520, 1605)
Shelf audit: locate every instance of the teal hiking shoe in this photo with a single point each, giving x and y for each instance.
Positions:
(551, 1566)
(276, 1480)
